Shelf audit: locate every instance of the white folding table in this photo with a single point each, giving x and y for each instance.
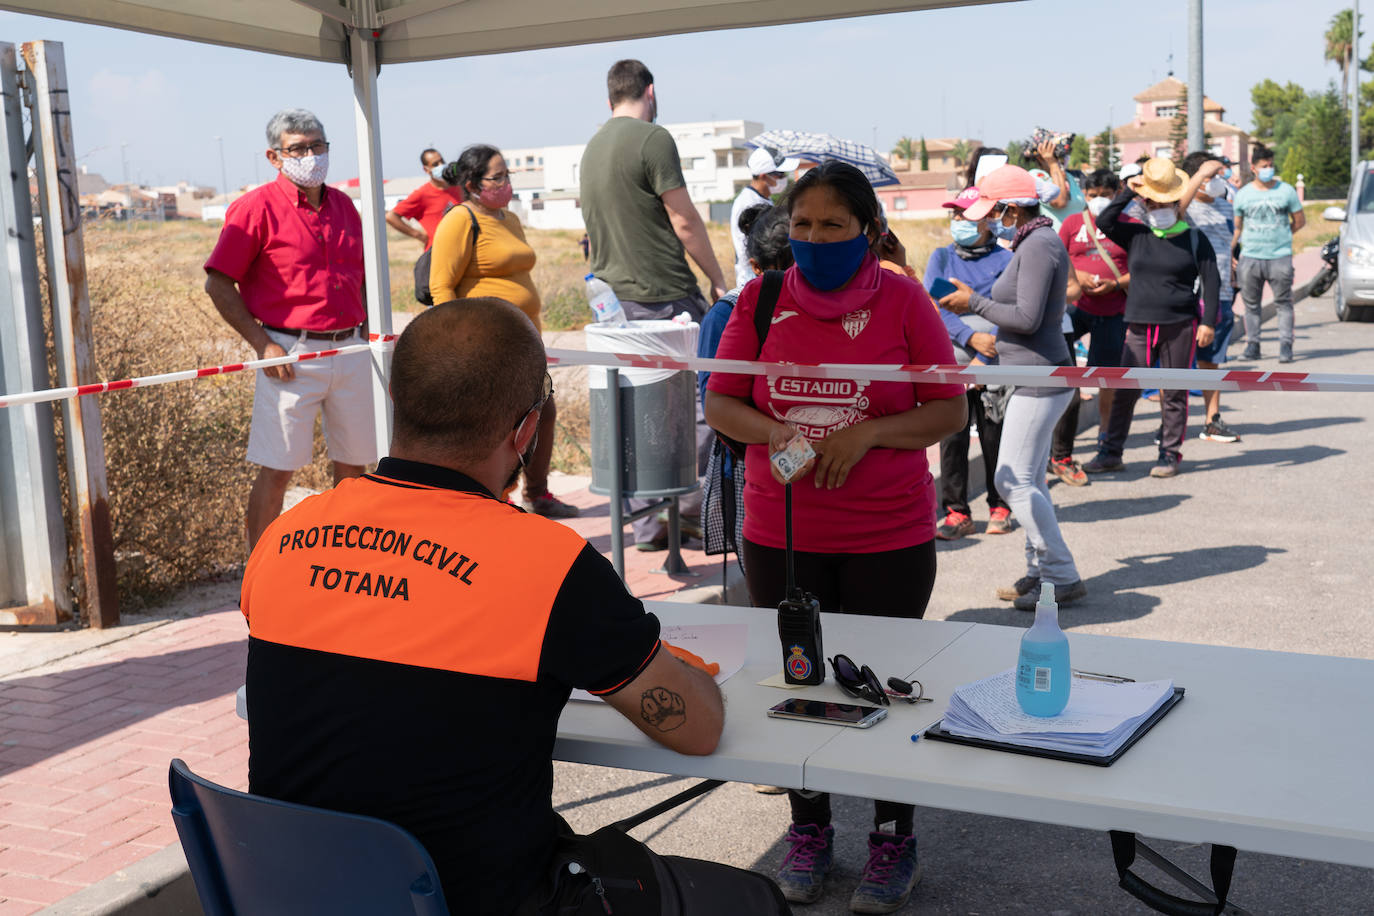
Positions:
(1267, 752)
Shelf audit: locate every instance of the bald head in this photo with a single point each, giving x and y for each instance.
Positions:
(464, 373)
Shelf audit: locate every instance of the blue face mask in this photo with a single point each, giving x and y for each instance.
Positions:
(965, 233)
(1265, 174)
(1003, 232)
(829, 265)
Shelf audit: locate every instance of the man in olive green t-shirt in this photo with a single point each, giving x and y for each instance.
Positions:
(638, 214)
(640, 221)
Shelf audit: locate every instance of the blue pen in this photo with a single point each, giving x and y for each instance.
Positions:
(915, 738)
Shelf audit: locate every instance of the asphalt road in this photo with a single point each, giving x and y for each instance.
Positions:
(1262, 544)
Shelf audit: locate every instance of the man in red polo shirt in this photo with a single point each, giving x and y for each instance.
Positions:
(427, 204)
(287, 275)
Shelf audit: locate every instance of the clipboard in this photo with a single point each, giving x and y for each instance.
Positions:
(937, 733)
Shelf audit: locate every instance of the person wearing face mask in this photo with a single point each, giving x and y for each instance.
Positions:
(1027, 303)
(974, 258)
(480, 250)
(1172, 266)
(287, 275)
(1268, 212)
(1099, 266)
(864, 509)
(427, 204)
(362, 686)
(770, 173)
(1205, 202)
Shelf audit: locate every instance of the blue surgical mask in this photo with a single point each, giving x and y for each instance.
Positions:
(829, 265)
(1003, 232)
(1266, 174)
(965, 233)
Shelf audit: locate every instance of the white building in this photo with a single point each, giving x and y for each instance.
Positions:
(547, 180)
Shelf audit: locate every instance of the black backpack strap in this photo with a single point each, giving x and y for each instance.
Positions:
(1223, 863)
(767, 304)
(476, 230)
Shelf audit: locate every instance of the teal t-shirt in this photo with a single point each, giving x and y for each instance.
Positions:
(1266, 232)
(1077, 204)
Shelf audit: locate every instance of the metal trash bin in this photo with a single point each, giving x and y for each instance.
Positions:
(657, 412)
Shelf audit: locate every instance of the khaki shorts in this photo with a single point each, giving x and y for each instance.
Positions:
(283, 431)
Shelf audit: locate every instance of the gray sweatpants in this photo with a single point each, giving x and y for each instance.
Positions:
(1278, 273)
(1025, 452)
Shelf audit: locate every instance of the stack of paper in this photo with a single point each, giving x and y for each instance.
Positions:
(1100, 718)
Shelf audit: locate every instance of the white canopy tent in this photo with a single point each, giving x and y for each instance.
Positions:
(364, 34)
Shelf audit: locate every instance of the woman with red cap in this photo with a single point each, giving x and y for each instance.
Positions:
(1027, 305)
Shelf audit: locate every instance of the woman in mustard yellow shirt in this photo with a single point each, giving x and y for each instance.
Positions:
(480, 250)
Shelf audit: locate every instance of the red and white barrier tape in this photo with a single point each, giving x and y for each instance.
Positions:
(58, 394)
(1037, 376)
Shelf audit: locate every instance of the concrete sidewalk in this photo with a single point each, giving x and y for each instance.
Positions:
(90, 719)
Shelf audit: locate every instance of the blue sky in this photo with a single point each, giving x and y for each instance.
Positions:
(991, 72)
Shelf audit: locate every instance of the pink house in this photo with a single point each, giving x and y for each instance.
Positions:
(1155, 110)
(920, 194)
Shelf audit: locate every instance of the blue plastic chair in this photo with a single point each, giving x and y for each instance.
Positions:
(255, 855)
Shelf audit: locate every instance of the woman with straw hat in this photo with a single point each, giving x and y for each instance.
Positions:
(1173, 267)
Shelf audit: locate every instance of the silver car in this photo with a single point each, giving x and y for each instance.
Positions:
(1354, 292)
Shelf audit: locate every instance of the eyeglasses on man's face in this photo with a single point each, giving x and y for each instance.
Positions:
(297, 150)
(544, 396)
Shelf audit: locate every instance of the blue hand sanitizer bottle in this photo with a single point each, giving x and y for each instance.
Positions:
(1042, 671)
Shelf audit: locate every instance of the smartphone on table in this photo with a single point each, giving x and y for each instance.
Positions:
(848, 714)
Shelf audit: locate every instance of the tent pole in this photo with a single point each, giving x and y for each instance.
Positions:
(363, 56)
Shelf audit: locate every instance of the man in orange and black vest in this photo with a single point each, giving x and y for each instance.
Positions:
(413, 638)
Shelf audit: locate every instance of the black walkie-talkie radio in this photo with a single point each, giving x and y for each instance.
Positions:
(799, 622)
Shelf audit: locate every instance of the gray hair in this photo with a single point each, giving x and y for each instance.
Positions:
(292, 121)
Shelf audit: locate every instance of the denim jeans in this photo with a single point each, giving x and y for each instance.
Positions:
(1020, 478)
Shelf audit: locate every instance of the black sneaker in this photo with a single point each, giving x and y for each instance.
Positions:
(1103, 464)
(1217, 431)
(1251, 352)
(1025, 585)
(1165, 467)
(1285, 353)
(1063, 594)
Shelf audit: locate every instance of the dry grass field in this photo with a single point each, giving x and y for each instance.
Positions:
(176, 471)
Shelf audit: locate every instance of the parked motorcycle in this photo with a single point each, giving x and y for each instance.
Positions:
(1327, 275)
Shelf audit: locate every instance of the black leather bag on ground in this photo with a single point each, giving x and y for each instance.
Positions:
(611, 872)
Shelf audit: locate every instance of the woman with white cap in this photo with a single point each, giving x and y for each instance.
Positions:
(770, 176)
(1027, 305)
(1172, 266)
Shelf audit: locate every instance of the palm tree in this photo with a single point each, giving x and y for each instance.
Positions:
(1340, 46)
(959, 152)
(905, 148)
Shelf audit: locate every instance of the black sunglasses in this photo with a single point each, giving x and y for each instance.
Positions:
(861, 683)
(856, 681)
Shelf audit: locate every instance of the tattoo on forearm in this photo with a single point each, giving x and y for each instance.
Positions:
(662, 708)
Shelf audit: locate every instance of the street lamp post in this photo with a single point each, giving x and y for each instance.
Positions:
(128, 192)
(223, 172)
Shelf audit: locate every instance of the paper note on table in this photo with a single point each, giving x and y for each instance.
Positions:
(722, 643)
(780, 680)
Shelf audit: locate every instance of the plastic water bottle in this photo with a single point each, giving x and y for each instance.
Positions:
(1042, 670)
(604, 302)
